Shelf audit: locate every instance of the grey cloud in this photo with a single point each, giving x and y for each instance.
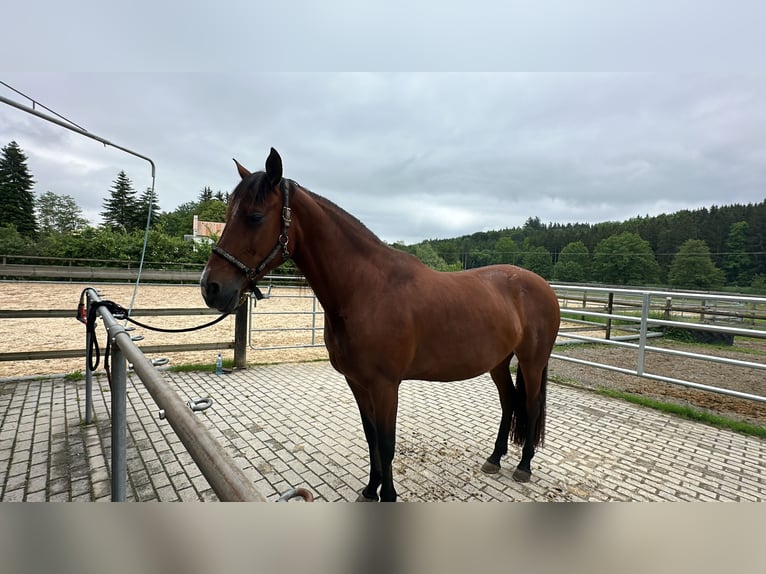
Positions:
(415, 156)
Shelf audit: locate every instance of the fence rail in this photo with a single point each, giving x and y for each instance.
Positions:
(635, 308)
(237, 345)
(605, 315)
(226, 479)
(628, 318)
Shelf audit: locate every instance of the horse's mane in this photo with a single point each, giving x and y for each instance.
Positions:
(343, 214)
(255, 187)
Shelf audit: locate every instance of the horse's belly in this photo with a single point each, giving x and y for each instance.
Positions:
(456, 362)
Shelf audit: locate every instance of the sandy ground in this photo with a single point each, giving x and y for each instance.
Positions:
(47, 334)
(742, 379)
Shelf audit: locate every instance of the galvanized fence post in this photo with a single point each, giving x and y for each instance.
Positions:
(609, 310)
(313, 319)
(119, 376)
(88, 373)
(642, 333)
(240, 334)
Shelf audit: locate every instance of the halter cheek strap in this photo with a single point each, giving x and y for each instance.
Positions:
(252, 273)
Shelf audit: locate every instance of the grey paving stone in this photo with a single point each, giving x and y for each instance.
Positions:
(298, 425)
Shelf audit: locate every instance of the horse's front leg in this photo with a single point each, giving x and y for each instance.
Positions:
(385, 399)
(378, 406)
(370, 492)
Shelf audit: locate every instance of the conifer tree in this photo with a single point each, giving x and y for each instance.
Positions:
(145, 202)
(121, 208)
(17, 201)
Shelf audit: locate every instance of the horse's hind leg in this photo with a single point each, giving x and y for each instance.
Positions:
(530, 416)
(501, 375)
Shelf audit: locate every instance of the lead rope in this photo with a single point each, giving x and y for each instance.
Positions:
(120, 312)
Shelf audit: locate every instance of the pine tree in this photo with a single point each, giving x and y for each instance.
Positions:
(146, 200)
(17, 201)
(206, 194)
(121, 209)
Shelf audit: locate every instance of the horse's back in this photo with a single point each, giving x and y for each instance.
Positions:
(465, 323)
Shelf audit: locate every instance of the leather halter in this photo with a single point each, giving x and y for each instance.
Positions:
(251, 273)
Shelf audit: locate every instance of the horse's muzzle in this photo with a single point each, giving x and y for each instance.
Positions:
(225, 297)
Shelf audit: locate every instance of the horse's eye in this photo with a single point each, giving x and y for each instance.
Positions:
(254, 219)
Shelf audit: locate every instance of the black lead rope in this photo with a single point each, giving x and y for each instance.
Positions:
(119, 312)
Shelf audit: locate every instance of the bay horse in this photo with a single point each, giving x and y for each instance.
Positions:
(389, 317)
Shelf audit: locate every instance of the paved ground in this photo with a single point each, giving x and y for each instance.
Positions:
(297, 425)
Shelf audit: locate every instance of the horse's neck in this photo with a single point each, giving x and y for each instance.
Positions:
(331, 249)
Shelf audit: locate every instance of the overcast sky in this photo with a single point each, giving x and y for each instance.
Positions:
(413, 155)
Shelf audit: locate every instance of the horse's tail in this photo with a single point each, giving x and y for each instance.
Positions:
(520, 416)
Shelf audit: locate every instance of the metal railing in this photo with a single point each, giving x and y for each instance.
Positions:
(632, 311)
(605, 315)
(226, 479)
(305, 314)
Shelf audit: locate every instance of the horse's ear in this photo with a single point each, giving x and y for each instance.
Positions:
(243, 173)
(274, 167)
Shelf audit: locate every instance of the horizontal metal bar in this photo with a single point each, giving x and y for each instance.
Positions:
(284, 347)
(664, 351)
(645, 375)
(757, 333)
(257, 313)
(69, 314)
(614, 341)
(558, 287)
(710, 358)
(78, 353)
(284, 329)
(75, 129)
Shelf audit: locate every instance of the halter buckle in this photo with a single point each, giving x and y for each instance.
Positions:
(283, 241)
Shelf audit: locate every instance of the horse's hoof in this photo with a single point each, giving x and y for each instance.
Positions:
(490, 467)
(363, 498)
(520, 475)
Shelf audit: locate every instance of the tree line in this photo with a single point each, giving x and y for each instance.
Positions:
(53, 225)
(707, 248)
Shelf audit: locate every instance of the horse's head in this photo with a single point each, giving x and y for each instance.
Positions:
(255, 238)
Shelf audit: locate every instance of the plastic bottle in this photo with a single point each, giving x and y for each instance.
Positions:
(219, 365)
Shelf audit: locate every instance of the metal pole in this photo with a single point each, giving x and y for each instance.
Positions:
(74, 128)
(227, 480)
(240, 336)
(313, 318)
(88, 372)
(609, 310)
(119, 369)
(642, 334)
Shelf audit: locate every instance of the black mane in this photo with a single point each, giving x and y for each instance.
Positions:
(255, 188)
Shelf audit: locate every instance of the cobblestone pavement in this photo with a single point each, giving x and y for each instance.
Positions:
(296, 425)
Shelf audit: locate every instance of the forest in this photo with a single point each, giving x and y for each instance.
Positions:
(707, 248)
(710, 248)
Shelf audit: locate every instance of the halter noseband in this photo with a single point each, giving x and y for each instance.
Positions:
(252, 273)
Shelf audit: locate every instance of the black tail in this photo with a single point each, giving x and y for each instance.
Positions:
(520, 416)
